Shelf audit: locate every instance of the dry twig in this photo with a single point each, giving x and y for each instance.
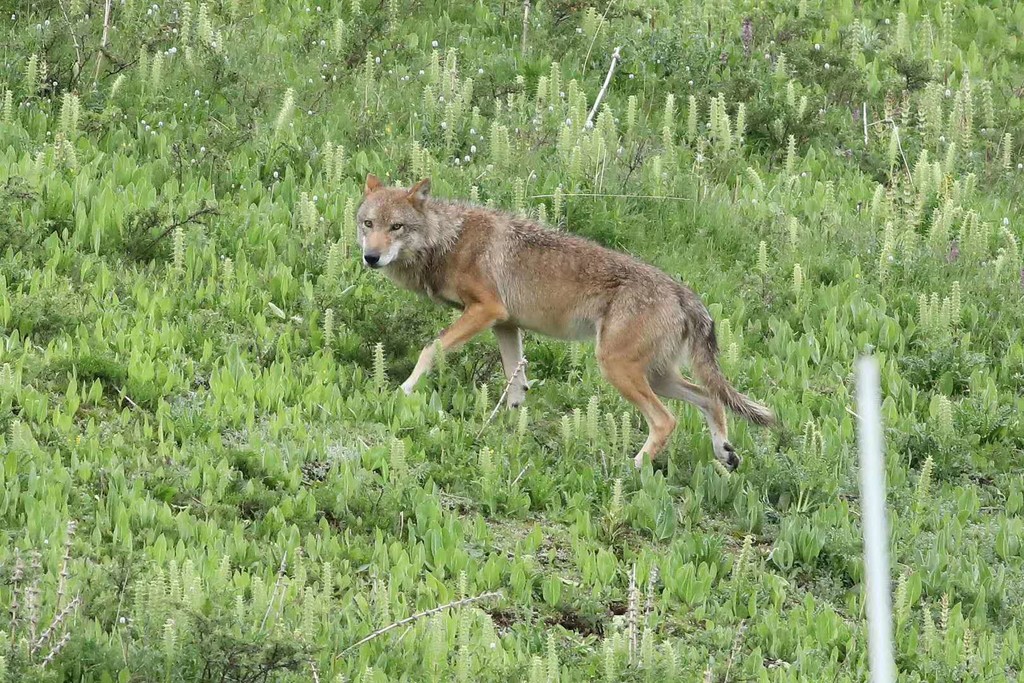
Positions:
(74, 39)
(103, 41)
(599, 195)
(277, 584)
(508, 385)
(416, 617)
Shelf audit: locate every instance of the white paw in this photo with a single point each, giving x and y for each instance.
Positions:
(408, 388)
(638, 461)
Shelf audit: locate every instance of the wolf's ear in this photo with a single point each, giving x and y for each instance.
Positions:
(372, 184)
(419, 192)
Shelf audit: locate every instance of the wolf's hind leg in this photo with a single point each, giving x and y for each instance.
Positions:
(510, 344)
(623, 362)
(629, 379)
(671, 384)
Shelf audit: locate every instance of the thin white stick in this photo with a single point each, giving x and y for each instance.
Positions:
(273, 594)
(103, 41)
(612, 196)
(876, 531)
(520, 475)
(865, 117)
(526, 24)
(631, 612)
(906, 164)
(74, 39)
(590, 48)
(604, 88)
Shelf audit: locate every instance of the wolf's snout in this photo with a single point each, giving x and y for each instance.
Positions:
(371, 259)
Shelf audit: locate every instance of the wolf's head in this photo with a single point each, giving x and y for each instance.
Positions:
(391, 222)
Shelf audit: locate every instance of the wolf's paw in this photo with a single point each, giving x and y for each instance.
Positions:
(407, 388)
(516, 397)
(729, 458)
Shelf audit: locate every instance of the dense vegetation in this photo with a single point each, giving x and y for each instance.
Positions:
(206, 469)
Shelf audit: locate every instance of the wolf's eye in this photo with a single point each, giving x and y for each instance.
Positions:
(368, 223)
(395, 227)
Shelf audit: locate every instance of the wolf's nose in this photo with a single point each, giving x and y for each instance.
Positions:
(371, 259)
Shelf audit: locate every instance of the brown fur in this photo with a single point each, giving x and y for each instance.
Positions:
(509, 274)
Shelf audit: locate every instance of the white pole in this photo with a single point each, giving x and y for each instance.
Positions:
(604, 89)
(876, 530)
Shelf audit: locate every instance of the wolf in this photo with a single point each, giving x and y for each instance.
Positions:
(507, 274)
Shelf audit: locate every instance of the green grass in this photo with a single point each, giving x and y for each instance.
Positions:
(207, 471)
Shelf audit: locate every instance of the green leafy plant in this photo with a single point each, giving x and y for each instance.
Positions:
(197, 368)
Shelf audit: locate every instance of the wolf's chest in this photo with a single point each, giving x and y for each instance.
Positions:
(420, 284)
(442, 297)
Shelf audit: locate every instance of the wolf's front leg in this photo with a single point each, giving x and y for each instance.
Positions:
(474, 320)
(510, 344)
(423, 365)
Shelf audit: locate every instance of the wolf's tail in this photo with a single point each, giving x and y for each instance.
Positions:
(704, 359)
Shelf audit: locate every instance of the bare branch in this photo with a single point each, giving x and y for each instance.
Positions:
(416, 617)
(74, 39)
(612, 196)
(736, 642)
(44, 637)
(508, 385)
(205, 211)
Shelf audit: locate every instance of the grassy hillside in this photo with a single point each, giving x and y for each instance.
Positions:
(207, 472)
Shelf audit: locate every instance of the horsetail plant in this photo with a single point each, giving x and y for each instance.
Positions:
(30, 75)
(328, 327)
(7, 107)
(284, 114)
(379, 368)
(762, 258)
